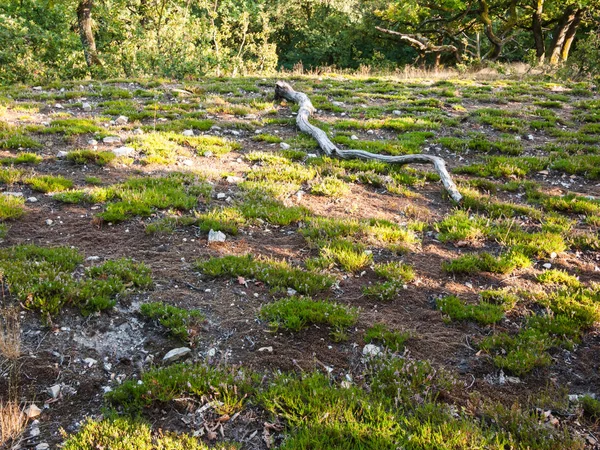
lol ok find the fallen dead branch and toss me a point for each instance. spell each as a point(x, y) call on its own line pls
point(285, 91)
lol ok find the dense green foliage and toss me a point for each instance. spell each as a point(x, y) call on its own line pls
point(42, 40)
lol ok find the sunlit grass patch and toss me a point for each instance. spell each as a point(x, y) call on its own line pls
point(179, 125)
point(505, 167)
point(350, 256)
point(181, 323)
point(297, 313)
point(158, 148)
point(262, 204)
point(485, 262)
point(100, 158)
point(21, 158)
point(10, 175)
point(140, 196)
point(49, 183)
point(396, 274)
point(19, 140)
point(556, 276)
point(42, 279)
point(277, 274)
point(207, 145)
point(227, 388)
point(330, 187)
point(124, 432)
point(380, 334)
point(483, 312)
point(11, 207)
point(70, 127)
point(459, 226)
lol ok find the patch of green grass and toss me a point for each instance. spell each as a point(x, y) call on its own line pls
point(94, 181)
point(459, 226)
point(49, 183)
point(101, 158)
point(556, 276)
point(380, 334)
point(330, 187)
point(205, 145)
point(350, 256)
point(11, 207)
point(126, 433)
point(181, 323)
point(506, 167)
point(591, 406)
point(483, 313)
point(485, 262)
point(289, 173)
point(140, 196)
point(481, 144)
point(21, 158)
point(158, 148)
point(395, 271)
point(277, 274)
point(71, 127)
point(179, 125)
point(18, 140)
point(259, 204)
point(227, 388)
point(42, 279)
point(297, 313)
point(10, 175)
point(74, 197)
point(269, 138)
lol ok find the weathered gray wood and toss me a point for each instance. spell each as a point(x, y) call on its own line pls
point(285, 91)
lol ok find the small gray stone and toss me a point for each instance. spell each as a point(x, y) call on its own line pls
point(12, 194)
point(49, 222)
point(188, 162)
point(138, 131)
point(216, 236)
point(207, 154)
point(54, 391)
point(121, 120)
point(188, 132)
point(62, 154)
point(284, 146)
point(234, 180)
point(547, 265)
point(123, 151)
point(215, 128)
point(111, 139)
point(371, 350)
point(93, 142)
point(32, 199)
point(396, 112)
point(90, 362)
point(59, 106)
point(42, 446)
point(235, 132)
point(86, 107)
point(176, 354)
point(221, 195)
point(354, 137)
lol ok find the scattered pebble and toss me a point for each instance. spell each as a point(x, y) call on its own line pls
point(121, 120)
point(90, 362)
point(86, 107)
point(266, 349)
point(32, 411)
point(371, 350)
point(216, 236)
point(176, 354)
point(111, 139)
point(284, 146)
point(188, 132)
point(49, 222)
point(547, 265)
point(123, 151)
point(54, 391)
point(62, 154)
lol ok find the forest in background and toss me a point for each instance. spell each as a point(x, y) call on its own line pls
point(58, 39)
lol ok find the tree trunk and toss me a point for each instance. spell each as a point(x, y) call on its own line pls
point(538, 33)
point(560, 34)
point(84, 19)
point(495, 41)
point(285, 91)
point(564, 54)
